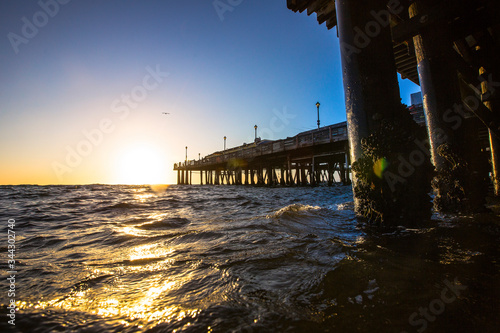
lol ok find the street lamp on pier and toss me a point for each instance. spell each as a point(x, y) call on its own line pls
point(186, 153)
point(224, 142)
point(255, 127)
point(317, 105)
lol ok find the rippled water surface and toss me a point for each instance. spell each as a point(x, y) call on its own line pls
point(240, 259)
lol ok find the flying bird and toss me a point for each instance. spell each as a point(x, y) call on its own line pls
point(165, 113)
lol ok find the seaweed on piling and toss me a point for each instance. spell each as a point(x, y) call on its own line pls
point(389, 189)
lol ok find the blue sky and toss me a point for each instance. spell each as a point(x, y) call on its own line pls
point(262, 64)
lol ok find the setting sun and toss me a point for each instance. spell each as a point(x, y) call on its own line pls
point(140, 164)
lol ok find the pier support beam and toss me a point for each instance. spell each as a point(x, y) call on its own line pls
point(330, 173)
point(494, 106)
point(303, 177)
point(296, 175)
point(289, 178)
point(313, 174)
point(270, 176)
point(342, 173)
point(438, 84)
point(370, 83)
point(451, 153)
point(495, 163)
point(319, 174)
point(347, 164)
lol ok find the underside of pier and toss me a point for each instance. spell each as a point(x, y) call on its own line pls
point(449, 48)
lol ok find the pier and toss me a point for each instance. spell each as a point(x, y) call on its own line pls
point(449, 48)
point(319, 156)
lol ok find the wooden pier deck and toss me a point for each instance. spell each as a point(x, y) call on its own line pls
point(309, 158)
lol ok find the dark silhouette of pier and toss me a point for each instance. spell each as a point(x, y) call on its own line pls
point(309, 158)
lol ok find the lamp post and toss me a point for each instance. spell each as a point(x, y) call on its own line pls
point(199, 156)
point(317, 105)
point(255, 127)
point(186, 153)
point(224, 142)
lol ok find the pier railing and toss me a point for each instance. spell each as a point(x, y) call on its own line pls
point(328, 134)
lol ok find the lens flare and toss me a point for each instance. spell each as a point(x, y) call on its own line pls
point(380, 166)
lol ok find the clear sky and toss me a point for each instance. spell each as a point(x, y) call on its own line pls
point(84, 84)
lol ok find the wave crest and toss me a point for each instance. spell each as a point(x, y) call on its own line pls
point(293, 210)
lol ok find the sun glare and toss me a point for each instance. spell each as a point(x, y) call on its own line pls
point(140, 164)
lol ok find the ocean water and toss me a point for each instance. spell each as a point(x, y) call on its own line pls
point(102, 258)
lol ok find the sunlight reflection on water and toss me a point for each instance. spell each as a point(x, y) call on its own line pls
point(232, 259)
